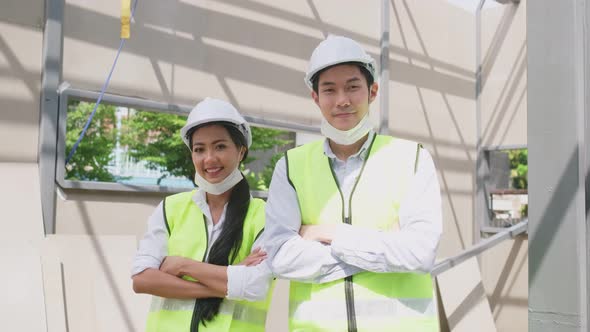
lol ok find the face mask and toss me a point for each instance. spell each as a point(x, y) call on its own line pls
point(219, 188)
point(347, 137)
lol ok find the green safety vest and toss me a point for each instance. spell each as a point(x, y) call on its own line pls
point(188, 237)
point(366, 301)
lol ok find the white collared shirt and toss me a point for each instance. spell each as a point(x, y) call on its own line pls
point(354, 249)
point(248, 283)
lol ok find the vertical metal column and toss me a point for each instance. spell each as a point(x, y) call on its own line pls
point(51, 77)
point(482, 214)
point(384, 75)
point(558, 81)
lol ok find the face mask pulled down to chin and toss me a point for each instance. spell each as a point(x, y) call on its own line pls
point(219, 188)
point(347, 137)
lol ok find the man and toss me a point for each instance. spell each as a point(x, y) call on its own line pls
point(354, 220)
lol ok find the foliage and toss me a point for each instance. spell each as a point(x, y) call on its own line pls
point(153, 138)
point(524, 210)
point(261, 180)
point(519, 168)
point(94, 152)
point(264, 139)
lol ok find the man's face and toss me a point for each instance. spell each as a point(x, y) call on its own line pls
point(343, 95)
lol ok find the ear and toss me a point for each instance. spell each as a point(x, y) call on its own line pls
point(242, 153)
point(373, 92)
point(315, 97)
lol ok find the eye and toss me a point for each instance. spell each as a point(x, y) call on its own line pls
point(197, 149)
point(354, 87)
point(220, 147)
point(327, 91)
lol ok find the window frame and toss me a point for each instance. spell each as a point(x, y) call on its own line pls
point(485, 227)
point(66, 93)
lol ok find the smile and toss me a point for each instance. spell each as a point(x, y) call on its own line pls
point(213, 171)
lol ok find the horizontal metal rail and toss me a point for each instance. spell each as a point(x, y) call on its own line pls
point(504, 147)
point(122, 187)
point(480, 247)
point(152, 105)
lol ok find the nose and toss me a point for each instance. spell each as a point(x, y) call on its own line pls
point(343, 99)
point(209, 156)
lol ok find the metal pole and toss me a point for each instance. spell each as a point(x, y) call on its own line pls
point(558, 42)
point(480, 247)
point(384, 75)
point(50, 79)
point(581, 54)
point(148, 104)
point(481, 170)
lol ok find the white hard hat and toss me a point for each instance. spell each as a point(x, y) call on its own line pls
point(213, 110)
point(334, 50)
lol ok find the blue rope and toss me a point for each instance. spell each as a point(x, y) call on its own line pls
point(102, 91)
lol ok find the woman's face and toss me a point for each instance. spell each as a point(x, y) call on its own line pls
point(214, 153)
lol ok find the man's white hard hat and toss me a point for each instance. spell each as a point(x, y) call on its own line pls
point(334, 50)
point(214, 110)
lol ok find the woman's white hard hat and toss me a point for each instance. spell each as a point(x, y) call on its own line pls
point(334, 50)
point(214, 110)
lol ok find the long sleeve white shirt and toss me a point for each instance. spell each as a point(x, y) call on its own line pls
point(243, 283)
point(412, 248)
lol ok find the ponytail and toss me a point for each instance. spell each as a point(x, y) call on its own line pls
point(225, 249)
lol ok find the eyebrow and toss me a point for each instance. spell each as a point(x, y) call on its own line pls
point(354, 79)
point(214, 142)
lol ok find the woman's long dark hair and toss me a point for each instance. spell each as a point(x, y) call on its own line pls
point(227, 245)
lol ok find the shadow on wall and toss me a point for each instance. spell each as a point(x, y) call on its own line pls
point(467, 87)
point(15, 69)
point(550, 220)
point(19, 97)
point(197, 26)
point(121, 305)
point(182, 35)
point(509, 90)
point(497, 301)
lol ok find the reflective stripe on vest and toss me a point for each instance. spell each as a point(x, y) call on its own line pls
point(188, 237)
point(235, 309)
point(374, 203)
point(369, 309)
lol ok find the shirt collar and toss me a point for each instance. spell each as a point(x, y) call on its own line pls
point(362, 152)
point(200, 199)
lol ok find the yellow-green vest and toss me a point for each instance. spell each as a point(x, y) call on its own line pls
point(366, 301)
point(188, 237)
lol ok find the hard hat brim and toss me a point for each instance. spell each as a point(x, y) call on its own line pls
point(187, 128)
point(370, 65)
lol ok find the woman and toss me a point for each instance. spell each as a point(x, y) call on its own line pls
point(185, 258)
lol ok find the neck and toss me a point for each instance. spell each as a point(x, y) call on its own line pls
point(342, 152)
point(218, 201)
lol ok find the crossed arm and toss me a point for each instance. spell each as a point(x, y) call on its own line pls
point(159, 283)
point(167, 280)
point(292, 255)
point(157, 274)
point(323, 253)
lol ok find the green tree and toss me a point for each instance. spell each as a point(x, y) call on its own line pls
point(265, 139)
point(94, 152)
point(154, 138)
point(519, 168)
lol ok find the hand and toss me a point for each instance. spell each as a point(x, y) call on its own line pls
point(256, 257)
point(320, 233)
point(173, 265)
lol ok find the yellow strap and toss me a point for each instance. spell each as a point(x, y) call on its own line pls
point(125, 18)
